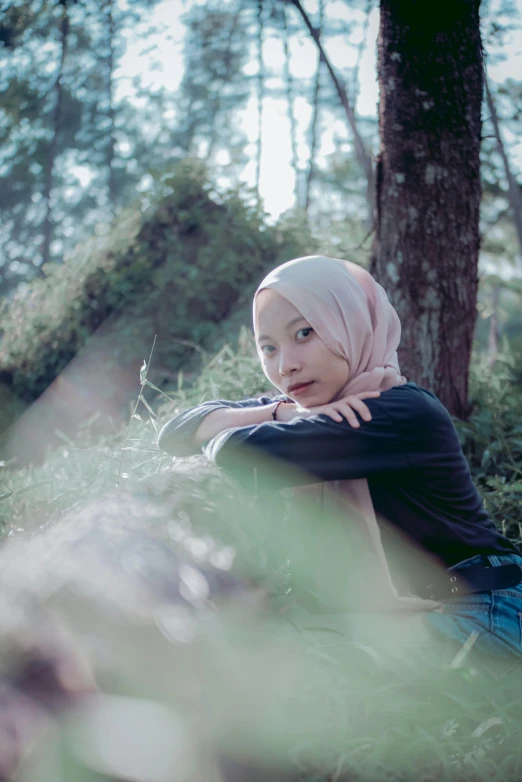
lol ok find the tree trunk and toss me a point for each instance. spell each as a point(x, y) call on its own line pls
point(428, 191)
point(360, 52)
point(514, 194)
point(111, 142)
point(315, 114)
point(361, 153)
point(228, 77)
point(290, 104)
point(47, 227)
point(494, 328)
point(260, 93)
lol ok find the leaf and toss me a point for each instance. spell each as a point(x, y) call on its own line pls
point(464, 651)
point(486, 725)
point(149, 408)
point(151, 385)
point(143, 373)
point(5, 495)
point(67, 440)
point(137, 416)
point(32, 486)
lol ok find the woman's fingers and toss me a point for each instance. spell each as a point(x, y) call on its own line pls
point(348, 413)
point(347, 409)
point(330, 410)
point(361, 408)
point(348, 405)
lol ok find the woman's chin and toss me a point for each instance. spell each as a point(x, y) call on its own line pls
point(309, 400)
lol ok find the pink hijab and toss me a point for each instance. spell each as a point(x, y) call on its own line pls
point(352, 315)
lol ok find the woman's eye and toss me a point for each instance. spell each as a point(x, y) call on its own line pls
point(267, 350)
point(303, 333)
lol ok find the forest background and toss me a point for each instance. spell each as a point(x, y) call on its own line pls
point(157, 158)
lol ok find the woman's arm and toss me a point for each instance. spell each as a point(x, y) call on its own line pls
point(177, 435)
point(319, 447)
point(185, 434)
point(229, 418)
point(284, 410)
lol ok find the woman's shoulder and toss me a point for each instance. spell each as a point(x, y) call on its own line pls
point(413, 402)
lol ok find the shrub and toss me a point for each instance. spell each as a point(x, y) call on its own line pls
point(174, 267)
point(492, 441)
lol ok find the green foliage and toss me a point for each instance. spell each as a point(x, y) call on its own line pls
point(492, 441)
point(89, 132)
point(230, 374)
point(174, 268)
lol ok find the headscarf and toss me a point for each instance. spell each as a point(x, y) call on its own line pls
point(351, 314)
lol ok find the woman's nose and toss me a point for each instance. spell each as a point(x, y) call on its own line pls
point(288, 363)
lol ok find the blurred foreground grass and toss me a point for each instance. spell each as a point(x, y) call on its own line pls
point(278, 690)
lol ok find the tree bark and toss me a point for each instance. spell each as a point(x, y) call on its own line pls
point(47, 227)
point(426, 246)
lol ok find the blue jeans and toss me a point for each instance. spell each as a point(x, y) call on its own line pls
point(495, 615)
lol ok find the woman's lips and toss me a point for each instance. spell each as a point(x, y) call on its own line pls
point(297, 390)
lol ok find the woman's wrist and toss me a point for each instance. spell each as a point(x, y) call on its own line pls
point(284, 411)
point(276, 408)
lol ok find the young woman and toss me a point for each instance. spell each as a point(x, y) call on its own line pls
point(327, 338)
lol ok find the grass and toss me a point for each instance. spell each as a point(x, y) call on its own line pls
point(37, 495)
point(338, 709)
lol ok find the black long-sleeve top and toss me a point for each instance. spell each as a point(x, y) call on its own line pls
point(410, 454)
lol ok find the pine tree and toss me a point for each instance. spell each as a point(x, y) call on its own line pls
point(428, 191)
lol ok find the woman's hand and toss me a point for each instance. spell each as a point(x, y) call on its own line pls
point(342, 408)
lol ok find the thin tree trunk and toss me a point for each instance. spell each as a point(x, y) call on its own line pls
point(360, 50)
point(111, 142)
point(361, 153)
point(217, 103)
point(290, 104)
point(315, 114)
point(494, 328)
point(260, 92)
point(426, 246)
point(47, 227)
point(514, 194)
point(213, 130)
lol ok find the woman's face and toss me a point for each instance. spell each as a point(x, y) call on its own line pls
point(294, 358)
